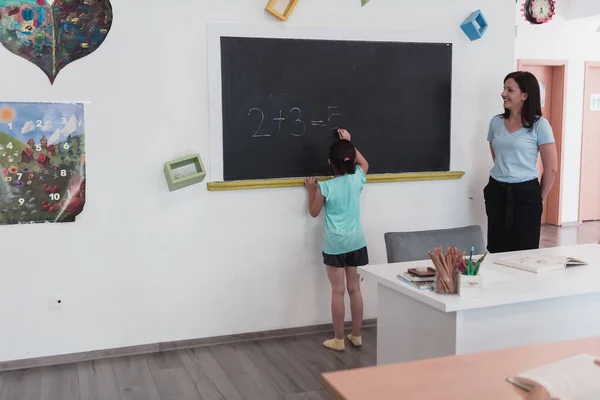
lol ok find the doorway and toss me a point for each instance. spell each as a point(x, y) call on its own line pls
point(551, 75)
point(589, 181)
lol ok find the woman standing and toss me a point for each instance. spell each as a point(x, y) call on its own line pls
point(514, 195)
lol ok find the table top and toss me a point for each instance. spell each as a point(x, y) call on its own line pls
point(472, 376)
point(502, 285)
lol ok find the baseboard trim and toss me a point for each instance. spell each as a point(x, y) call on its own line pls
point(168, 346)
point(570, 223)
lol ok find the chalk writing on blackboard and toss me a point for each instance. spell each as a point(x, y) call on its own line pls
point(298, 125)
point(279, 120)
point(262, 119)
point(333, 113)
point(299, 121)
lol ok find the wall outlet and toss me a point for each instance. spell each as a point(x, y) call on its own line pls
point(56, 302)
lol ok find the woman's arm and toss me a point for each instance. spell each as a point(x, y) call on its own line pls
point(550, 163)
point(492, 151)
point(315, 198)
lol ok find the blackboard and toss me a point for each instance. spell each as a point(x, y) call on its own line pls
point(283, 98)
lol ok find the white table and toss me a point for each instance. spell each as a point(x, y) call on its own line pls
point(517, 308)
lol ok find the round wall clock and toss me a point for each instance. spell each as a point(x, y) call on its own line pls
point(538, 11)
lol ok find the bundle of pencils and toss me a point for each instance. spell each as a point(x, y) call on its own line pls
point(446, 267)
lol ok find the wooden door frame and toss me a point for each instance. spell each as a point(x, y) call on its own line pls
point(565, 65)
point(587, 67)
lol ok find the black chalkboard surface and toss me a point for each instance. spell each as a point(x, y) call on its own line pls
point(283, 99)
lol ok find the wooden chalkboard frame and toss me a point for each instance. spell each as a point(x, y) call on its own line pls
point(298, 182)
point(217, 30)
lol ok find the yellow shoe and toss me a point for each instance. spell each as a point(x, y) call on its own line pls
point(335, 344)
point(355, 340)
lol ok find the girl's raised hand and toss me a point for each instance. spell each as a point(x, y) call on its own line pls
point(311, 183)
point(344, 134)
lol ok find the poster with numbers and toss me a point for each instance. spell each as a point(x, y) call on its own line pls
point(42, 158)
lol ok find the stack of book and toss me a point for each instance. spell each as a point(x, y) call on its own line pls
point(419, 278)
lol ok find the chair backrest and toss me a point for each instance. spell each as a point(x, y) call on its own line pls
point(413, 246)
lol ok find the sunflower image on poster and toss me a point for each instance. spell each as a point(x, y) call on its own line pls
point(42, 159)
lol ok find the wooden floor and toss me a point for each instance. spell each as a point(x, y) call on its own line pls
point(552, 236)
point(286, 368)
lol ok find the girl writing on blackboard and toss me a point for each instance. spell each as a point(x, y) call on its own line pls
point(345, 247)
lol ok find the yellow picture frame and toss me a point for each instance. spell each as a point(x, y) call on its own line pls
point(288, 10)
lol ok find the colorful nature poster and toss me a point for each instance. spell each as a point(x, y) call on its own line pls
point(42, 159)
point(54, 33)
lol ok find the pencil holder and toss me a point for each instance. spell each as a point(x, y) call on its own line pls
point(470, 285)
point(445, 285)
point(446, 267)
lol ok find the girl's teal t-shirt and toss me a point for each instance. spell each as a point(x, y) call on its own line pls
point(343, 229)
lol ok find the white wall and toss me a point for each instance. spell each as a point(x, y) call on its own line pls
point(577, 42)
point(581, 9)
point(143, 265)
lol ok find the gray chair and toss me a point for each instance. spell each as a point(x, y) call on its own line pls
point(413, 246)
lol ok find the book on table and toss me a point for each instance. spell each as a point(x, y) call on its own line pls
point(538, 262)
point(418, 282)
point(574, 378)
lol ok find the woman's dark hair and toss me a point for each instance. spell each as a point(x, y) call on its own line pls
point(532, 106)
point(342, 156)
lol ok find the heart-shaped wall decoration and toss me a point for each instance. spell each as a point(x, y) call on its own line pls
point(54, 33)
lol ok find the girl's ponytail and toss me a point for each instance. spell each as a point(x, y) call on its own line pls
point(348, 166)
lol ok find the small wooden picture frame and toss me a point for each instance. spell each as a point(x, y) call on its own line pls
point(288, 10)
point(184, 172)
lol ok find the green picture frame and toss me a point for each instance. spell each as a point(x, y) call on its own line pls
point(184, 171)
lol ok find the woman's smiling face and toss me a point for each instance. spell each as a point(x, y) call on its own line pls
point(512, 95)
